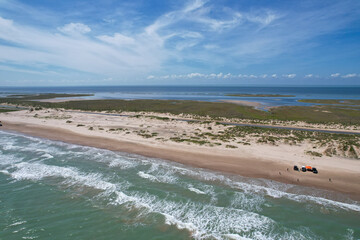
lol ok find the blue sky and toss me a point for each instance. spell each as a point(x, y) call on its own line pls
point(171, 42)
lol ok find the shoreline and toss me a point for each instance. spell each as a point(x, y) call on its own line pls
point(343, 180)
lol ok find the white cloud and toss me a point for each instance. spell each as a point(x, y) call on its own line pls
point(292, 75)
point(263, 19)
point(252, 76)
point(227, 76)
point(309, 75)
point(43, 48)
point(118, 39)
point(191, 75)
point(350, 75)
point(75, 28)
point(335, 75)
point(213, 76)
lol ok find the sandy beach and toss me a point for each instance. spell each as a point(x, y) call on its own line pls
point(149, 136)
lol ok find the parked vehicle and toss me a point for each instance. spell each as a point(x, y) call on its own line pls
point(308, 168)
point(314, 170)
point(303, 168)
point(296, 168)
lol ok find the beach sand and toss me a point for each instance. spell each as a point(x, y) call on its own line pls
point(256, 160)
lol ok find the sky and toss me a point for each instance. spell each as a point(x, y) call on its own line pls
point(172, 42)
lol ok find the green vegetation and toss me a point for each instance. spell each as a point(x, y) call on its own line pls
point(44, 96)
point(146, 134)
point(54, 117)
point(317, 114)
point(7, 110)
point(216, 110)
point(231, 146)
point(315, 154)
point(195, 141)
point(116, 129)
point(159, 118)
point(259, 95)
point(332, 101)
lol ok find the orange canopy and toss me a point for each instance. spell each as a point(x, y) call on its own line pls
point(308, 167)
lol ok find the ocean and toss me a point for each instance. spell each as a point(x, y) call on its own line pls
point(200, 93)
point(55, 190)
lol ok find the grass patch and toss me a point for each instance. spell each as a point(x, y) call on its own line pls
point(315, 154)
point(231, 146)
point(199, 142)
point(332, 101)
point(7, 110)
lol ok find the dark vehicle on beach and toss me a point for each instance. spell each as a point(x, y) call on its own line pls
point(308, 168)
point(0, 124)
point(296, 168)
point(303, 168)
point(314, 170)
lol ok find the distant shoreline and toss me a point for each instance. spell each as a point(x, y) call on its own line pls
point(259, 95)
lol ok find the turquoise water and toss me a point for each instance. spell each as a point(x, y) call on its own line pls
point(54, 190)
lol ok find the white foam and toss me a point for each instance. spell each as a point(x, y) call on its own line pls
point(29, 237)
point(122, 163)
point(148, 176)
point(250, 202)
point(251, 188)
point(38, 171)
point(203, 221)
point(47, 155)
point(195, 190)
point(8, 160)
point(17, 223)
point(170, 220)
point(235, 237)
point(6, 172)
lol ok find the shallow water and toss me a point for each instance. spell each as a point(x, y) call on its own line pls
point(200, 93)
point(54, 190)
